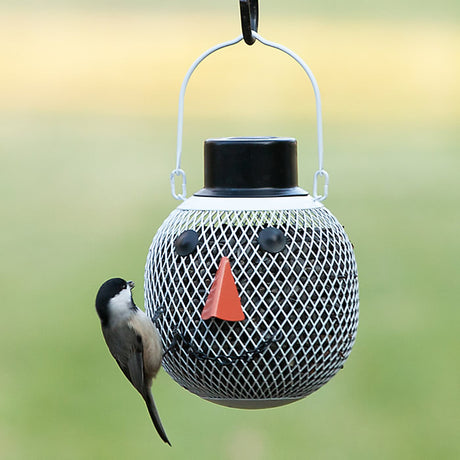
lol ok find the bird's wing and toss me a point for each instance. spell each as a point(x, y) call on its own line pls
point(136, 367)
point(127, 349)
point(130, 358)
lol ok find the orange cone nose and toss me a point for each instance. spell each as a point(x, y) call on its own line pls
point(223, 301)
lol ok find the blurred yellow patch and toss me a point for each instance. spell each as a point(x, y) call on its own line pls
point(134, 63)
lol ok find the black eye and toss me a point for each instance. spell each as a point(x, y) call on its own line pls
point(272, 240)
point(186, 243)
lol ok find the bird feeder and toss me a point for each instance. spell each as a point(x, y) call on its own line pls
point(252, 282)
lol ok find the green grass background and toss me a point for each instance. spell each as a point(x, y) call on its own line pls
point(84, 186)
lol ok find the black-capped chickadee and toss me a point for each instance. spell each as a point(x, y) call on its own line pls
point(132, 339)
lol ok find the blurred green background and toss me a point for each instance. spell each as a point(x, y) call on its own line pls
point(88, 97)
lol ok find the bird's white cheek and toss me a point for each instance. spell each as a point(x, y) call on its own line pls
point(120, 305)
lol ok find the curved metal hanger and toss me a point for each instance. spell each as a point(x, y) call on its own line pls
point(249, 10)
point(249, 22)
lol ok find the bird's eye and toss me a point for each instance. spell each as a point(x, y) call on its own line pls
point(186, 243)
point(272, 240)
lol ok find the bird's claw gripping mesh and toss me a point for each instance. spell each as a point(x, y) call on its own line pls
point(300, 304)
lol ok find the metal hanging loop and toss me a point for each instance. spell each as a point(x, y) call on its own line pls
point(249, 10)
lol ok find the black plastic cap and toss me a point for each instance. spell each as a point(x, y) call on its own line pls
point(250, 167)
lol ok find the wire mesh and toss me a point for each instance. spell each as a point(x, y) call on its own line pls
point(300, 304)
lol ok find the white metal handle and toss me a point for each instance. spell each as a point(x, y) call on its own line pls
point(319, 119)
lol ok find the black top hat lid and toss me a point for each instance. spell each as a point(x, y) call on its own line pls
point(250, 167)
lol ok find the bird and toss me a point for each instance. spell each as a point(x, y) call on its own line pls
point(132, 339)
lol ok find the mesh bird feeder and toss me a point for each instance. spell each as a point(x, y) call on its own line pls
point(252, 282)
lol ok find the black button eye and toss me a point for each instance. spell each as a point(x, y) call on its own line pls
point(186, 243)
point(272, 240)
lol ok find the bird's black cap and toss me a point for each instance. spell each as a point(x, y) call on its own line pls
point(106, 292)
point(250, 167)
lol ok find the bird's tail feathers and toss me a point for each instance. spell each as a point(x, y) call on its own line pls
point(152, 408)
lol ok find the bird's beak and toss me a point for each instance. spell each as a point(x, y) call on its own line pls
point(130, 284)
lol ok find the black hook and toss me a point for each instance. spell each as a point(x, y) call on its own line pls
point(249, 10)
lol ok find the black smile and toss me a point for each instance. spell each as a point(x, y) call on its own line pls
point(179, 340)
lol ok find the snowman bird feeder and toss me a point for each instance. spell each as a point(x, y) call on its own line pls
point(252, 282)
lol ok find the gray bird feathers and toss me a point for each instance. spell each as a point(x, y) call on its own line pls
point(132, 340)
